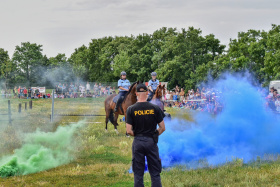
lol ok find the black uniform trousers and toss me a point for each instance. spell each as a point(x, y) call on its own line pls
point(145, 146)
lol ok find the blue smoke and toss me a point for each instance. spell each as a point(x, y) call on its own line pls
point(245, 129)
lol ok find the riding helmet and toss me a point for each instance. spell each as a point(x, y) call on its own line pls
point(154, 74)
point(123, 73)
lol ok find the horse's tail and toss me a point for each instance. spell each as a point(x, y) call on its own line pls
point(111, 116)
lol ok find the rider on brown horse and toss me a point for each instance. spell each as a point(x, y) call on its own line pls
point(152, 85)
point(123, 85)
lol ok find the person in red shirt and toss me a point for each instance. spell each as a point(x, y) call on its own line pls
point(25, 92)
point(19, 92)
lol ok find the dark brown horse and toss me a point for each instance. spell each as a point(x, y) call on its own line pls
point(157, 98)
point(130, 99)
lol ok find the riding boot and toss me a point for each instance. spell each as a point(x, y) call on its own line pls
point(118, 104)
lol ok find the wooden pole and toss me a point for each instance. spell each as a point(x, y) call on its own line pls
point(52, 105)
point(9, 112)
point(30, 104)
point(19, 108)
point(25, 105)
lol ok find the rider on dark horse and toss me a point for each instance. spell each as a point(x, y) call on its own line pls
point(123, 85)
point(152, 85)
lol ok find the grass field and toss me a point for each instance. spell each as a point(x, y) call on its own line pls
point(103, 159)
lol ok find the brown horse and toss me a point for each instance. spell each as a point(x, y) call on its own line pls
point(157, 98)
point(129, 99)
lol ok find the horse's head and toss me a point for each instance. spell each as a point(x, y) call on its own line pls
point(160, 91)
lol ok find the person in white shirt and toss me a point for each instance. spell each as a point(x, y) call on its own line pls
point(168, 95)
point(80, 88)
point(88, 87)
point(191, 96)
point(83, 90)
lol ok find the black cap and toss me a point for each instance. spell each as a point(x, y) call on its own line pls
point(141, 88)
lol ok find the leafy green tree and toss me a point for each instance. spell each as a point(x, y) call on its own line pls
point(78, 60)
point(4, 57)
point(59, 60)
point(271, 67)
point(27, 57)
point(7, 68)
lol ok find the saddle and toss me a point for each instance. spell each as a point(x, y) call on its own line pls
point(115, 100)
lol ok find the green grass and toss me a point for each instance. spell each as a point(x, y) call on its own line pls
point(103, 159)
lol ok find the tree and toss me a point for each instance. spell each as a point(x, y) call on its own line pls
point(4, 57)
point(6, 67)
point(78, 60)
point(271, 67)
point(27, 56)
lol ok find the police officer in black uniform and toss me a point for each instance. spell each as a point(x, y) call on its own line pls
point(142, 120)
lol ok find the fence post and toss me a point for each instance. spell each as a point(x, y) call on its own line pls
point(9, 112)
point(19, 108)
point(52, 105)
point(25, 105)
point(30, 104)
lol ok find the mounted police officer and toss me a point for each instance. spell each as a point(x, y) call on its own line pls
point(142, 120)
point(152, 85)
point(123, 85)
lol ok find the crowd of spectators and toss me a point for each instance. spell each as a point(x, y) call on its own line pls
point(60, 91)
point(20, 92)
point(204, 99)
point(211, 100)
point(82, 90)
point(273, 100)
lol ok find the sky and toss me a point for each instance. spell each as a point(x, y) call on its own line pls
point(63, 25)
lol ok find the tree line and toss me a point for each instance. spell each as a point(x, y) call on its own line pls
point(180, 57)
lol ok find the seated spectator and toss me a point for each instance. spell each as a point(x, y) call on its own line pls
point(67, 95)
point(191, 96)
point(37, 92)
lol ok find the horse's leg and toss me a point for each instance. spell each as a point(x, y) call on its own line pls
point(116, 122)
point(107, 110)
point(106, 120)
point(127, 135)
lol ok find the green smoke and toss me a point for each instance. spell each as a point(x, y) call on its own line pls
point(41, 151)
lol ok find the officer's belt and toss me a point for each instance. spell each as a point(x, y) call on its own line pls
point(144, 135)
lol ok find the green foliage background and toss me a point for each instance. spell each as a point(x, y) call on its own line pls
point(180, 57)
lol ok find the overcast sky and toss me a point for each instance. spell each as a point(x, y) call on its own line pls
point(63, 25)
